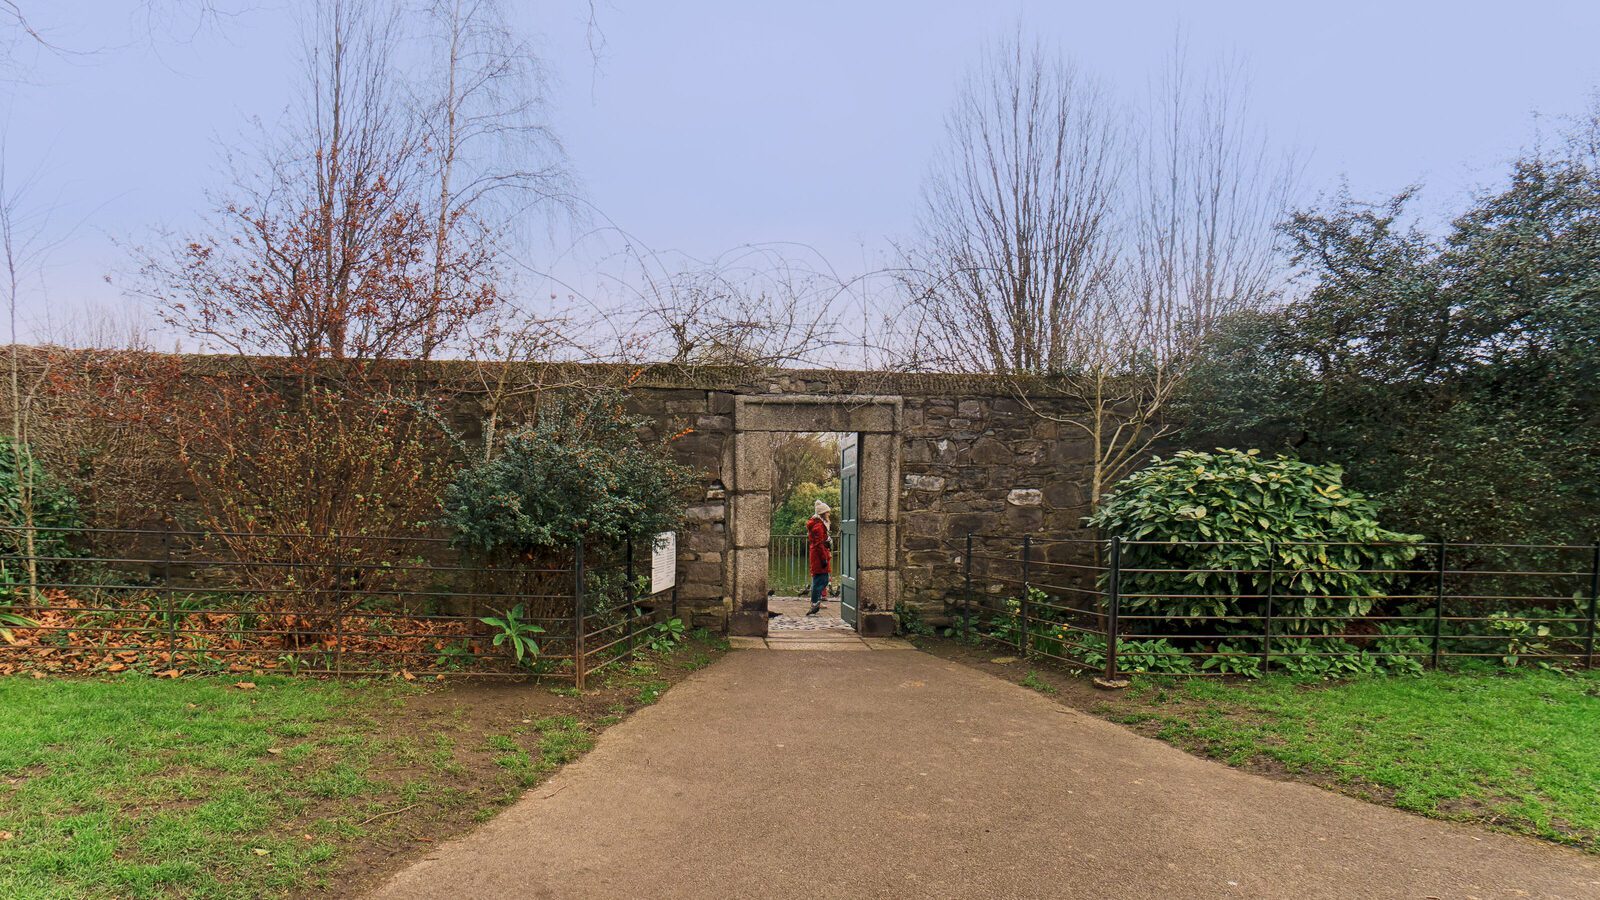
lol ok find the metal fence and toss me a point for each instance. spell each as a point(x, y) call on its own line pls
point(1243, 608)
point(203, 601)
point(788, 564)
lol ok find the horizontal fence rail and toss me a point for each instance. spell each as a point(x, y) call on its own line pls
point(788, 564)
point(1120, 607)
point(186, 601)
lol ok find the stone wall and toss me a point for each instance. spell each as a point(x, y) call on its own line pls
point(942, 456)
point(966, 457)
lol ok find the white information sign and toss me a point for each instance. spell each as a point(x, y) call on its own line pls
point(664, 562)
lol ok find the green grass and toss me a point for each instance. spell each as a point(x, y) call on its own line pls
point(141, 787)
point(1519, 750)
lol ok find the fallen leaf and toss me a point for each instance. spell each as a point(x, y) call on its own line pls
point(38, 675)
point(1003, 660)
point(274, 751)
point(170, 673)
point(115, 667)
point(245, 685)
point(259, 851)
point(407, 675)
point(6, 835)
point(307, 837)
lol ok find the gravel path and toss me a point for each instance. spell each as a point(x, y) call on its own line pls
point(814, 774)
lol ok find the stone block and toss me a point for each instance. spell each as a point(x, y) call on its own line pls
point(748, 623)
point(706, 512)
point(750, 576)
point(843, 413)
point(713, 424)
point(1025, 497)
point(991, 452)
point(720, 402)
point(875, 546)
point(880, 477)
point(877, 588)
point(752, 520)
point(924, 483)
point(970, 409)
point(752, 473)
point(1024, 518)
point(876, 624)
point(703, 539)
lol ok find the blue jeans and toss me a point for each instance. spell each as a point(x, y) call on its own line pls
point(819, 588)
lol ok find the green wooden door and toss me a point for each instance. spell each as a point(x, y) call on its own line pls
point(845, 560)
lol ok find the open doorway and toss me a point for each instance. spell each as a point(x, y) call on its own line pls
point(814, 478)
point(866, 548)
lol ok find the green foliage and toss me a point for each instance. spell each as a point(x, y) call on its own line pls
point(579, 473)
point(1518, 637)
point(1453, 374)
point(1231, 515)
point(23, 482)
point(1402, 649)
point(1311, 659)
point(1032, 681)
point(515, 634)
point(664, 636)
point(1155, 657)
point(791, 514)
point(910, 620)
point(1233, 659)
point(10, 620)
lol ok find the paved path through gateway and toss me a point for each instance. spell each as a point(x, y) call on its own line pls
point(897, 774)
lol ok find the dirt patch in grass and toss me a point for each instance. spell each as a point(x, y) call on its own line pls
point(482, 744)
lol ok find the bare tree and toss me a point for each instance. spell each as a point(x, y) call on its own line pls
point(492, 156)
point(1208, 195)
point(756, 307)
point(1066, 251)
point(22, 247)
point(509, 356)
point(1018, 231)
point(327, 248)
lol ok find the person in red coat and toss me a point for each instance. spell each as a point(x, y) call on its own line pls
point(821, 553)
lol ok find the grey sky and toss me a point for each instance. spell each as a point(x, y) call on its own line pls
point(707, 125)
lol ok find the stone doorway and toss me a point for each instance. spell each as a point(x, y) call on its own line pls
point(759, 422)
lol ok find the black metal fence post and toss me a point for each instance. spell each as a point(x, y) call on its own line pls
point(1438, 607)
point(1113, 607)
point(966, 601)
point(1027, 589)
point(1594, 601)
point(1266, 621)
point(577, 615)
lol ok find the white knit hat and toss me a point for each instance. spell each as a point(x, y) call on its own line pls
point(821, 508)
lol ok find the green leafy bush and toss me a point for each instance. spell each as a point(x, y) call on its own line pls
point(790, 516)
point(580, 472)
point(1205, 527)
point(23, 482)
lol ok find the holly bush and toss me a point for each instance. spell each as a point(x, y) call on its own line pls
point(580, 472)
point(1208, 527)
